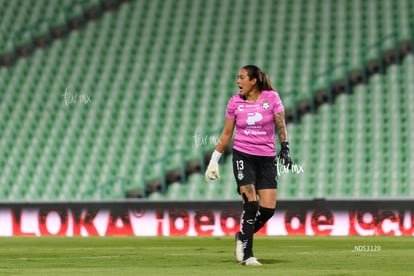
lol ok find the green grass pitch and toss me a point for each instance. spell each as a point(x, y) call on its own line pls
point(205, 256)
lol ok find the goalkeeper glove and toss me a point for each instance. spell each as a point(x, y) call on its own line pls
point(284, 154)
point(212, 172)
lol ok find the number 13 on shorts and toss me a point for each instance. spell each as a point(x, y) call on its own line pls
point(239, 165)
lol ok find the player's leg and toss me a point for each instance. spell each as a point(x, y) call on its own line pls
point(267, 207)
point(267, 191)
point(250, 206)
point(244, 169)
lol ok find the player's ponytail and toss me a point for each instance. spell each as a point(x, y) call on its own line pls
point(263, 80)
point(266, 84)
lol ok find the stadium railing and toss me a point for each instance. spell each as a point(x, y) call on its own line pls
point(162, 162)
point(292, 95)
point(329, 78)
point(377, 64)
point(114, 188)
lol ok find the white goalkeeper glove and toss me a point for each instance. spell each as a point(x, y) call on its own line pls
point(212, 172)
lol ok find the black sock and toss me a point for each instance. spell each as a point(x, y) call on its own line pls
point(263, 215)
point(247, 227)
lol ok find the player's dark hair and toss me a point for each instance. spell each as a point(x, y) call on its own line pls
point(263, 80)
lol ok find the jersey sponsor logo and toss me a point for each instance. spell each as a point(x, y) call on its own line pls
point(254, 132)
point(253, 118)
point(242, 107)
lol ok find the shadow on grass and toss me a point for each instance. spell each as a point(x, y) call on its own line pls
point(272, 261)
point(263, 261)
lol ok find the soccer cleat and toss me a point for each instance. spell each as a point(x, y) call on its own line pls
point(252, 261)
point(239, 252)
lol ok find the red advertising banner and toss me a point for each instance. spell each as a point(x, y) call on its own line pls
point(66, 221)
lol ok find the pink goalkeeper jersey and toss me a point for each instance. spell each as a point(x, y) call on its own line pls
point(255, 124)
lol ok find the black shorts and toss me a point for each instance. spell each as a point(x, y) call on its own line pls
point(252, 169)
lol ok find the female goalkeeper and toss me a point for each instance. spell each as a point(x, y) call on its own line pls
point(254, 112)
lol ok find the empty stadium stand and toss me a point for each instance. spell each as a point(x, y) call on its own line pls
point(359, 147)
point(90, 115)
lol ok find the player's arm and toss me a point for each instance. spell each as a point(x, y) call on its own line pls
point(281, 127)
point(284, 153)
point(212, 172)
point(226, 135)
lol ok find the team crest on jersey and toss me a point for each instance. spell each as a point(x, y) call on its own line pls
point(240, 175)
point(265, 104)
